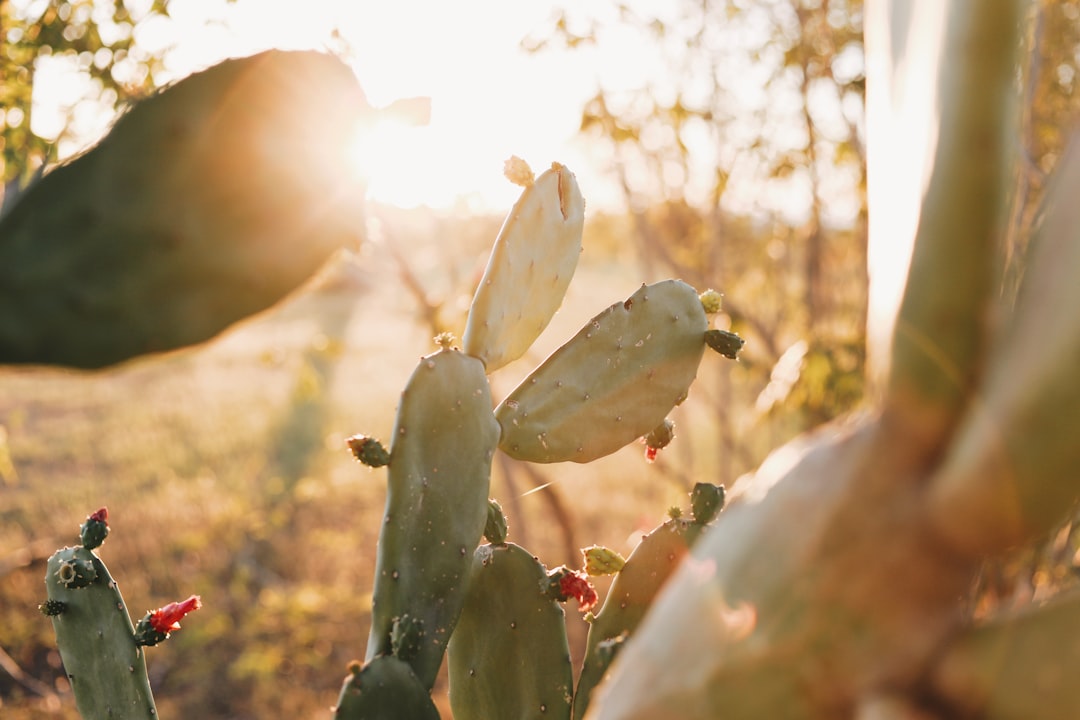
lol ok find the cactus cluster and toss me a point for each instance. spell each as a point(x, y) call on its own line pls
point(494, 607)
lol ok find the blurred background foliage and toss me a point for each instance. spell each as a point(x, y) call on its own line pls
point(745, 171)
point(99, 39)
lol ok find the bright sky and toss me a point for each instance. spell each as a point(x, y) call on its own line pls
point(490, 99)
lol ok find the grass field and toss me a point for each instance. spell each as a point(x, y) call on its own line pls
point(225, 474)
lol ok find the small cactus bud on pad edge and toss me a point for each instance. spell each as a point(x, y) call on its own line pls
point(368, 450)
point(602, 561)
point(534, 258)
point(96, 528)
point(726, 343)
point(613, 382)
point(496, 527)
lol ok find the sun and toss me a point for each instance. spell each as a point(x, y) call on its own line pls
point(386, 156)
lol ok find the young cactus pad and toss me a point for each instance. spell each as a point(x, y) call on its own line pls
point(613, 382)
point(104, 664)
point(384, 689)
point(531, 265)
point(509, 657)
point(436, 506)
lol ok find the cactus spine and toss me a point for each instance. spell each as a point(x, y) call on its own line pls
point(436, 507)
point(613, 382)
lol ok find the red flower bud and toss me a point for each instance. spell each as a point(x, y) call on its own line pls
point(167, 619)
point(102, 515)
point(574, 584)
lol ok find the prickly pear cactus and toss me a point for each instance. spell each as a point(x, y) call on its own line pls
point(436, 507)
point(101, 650)
point(531, 265)
point(613, 382)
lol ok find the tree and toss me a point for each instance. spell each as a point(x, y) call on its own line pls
point(743, 167)
point(95, 38)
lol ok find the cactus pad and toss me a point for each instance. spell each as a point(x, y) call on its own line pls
point(531, 265)
point(509, 656)
point(436, 506)
point(105, 666)
point(613, 382)
point(384, 689)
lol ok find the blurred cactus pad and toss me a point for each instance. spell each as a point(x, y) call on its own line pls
point(207, 202)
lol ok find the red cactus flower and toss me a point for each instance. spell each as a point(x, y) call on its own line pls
point(166, 619)
point(102, 515)
point(650, 453)
point(574, 584)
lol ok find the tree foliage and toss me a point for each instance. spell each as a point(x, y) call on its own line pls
point(95, 38)
point(742, 164)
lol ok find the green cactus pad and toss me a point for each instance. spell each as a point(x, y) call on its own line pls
point(613, 382)
point(631, 594)
point(106, 668)
point(531, 265)
point(207, 202)
point(436, 506)
point(384, 689)
point(509, 658)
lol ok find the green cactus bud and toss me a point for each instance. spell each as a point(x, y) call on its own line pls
point(711, 301)
point(659, 438)
point(105, 666)
point(602, 561)
point(405, 637)
point(496, 527)
point(706, 501)
point(509, 656)
point(96, 528)
point(530, 268)
point(52, 608)
point(436, 505)
point(383, 689)
point(614, 381)
point(726, 343)
point(368, 450)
